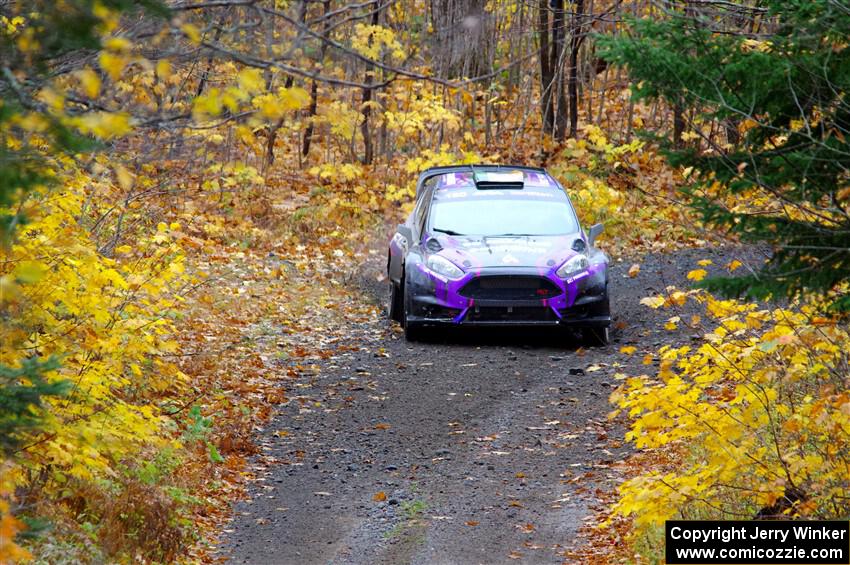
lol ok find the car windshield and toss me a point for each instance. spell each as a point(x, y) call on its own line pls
point(503, 215)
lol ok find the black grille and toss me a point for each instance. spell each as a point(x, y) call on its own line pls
point(511, 314)
point(510, 287)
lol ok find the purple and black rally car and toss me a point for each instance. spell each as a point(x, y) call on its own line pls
point(496, 245)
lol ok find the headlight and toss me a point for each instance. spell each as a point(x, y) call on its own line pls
point(573, 266)
point(443, 266)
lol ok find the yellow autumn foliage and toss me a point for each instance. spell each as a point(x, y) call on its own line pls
point(758, 412)
point(344, 120)
point(109, 322)
point(594, 198)
point(371, 40)
point(10, 552)
point(411, 116)
point(443, 157)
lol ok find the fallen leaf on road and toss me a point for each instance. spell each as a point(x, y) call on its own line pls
point(380, 496)
point(697, 274)
point(634, 270)
point(472, 523)
point(653, 301)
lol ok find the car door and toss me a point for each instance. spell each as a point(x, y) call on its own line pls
point(409, 234)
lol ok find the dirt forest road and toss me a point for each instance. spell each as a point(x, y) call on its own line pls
point(473, 448)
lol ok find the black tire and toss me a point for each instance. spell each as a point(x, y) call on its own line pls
point(396, 309)
point(415, 332)
point(596, 337)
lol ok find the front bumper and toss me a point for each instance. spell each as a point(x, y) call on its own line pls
point(581, 301)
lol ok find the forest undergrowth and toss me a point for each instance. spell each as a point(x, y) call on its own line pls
point(187, 191)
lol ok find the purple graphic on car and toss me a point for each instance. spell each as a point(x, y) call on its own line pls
point(496, 245)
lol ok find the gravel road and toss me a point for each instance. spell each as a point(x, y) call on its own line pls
point(477, 447)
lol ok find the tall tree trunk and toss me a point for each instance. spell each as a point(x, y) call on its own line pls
point(557, 64)
point(314, 87)
point(273, 130)
point(733, 136)
point(311, 112)
point(205, 75)
point(368, 149)
point(269, 160)
point(678, 125)
point(546, 77)
point(576, 39)
point(488, 136)
point(463, 39)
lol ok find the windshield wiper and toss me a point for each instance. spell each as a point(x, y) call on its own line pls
point(514, 235)
point(447, 232)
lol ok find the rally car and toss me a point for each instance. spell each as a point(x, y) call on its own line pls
point(496, 245)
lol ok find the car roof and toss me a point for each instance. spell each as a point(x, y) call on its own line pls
point(473, 169)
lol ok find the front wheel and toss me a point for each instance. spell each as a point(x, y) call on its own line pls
point(396, 309)
point(596, 337)
point(415, 332)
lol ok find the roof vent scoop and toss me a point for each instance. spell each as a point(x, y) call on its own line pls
point(499, 180)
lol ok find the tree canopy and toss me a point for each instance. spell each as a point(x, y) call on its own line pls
point(783, 180)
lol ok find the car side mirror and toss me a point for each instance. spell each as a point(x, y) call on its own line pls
point(405, 231)
point(593, 232)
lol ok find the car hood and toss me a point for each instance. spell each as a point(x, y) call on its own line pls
point(481, 252)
